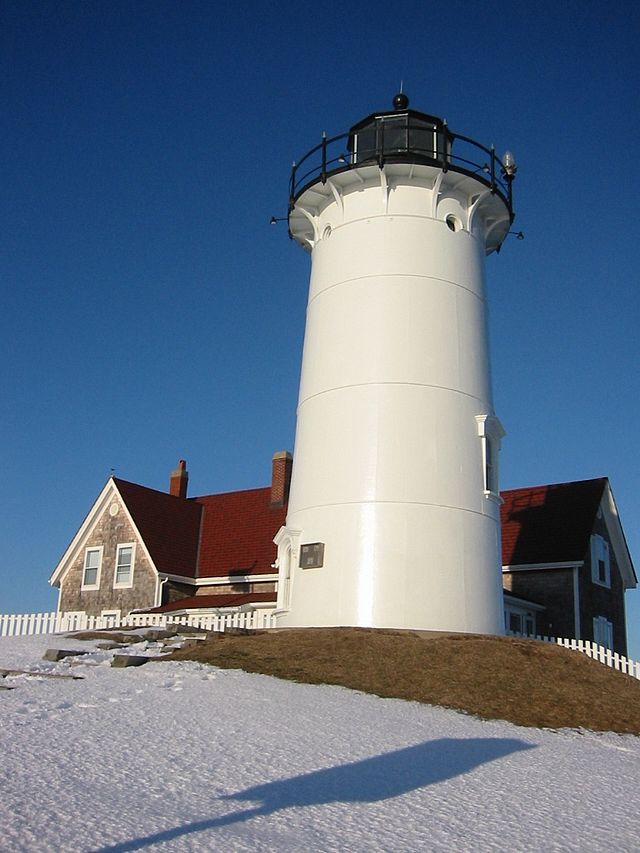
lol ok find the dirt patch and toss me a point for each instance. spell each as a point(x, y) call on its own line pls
point(524, 681)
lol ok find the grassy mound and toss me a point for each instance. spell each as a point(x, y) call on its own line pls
point(524, 681)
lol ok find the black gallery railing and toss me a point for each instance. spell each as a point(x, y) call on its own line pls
point(385, 142)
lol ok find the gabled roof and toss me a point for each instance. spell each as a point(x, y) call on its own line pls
point(553, 523)
point(219, 536)
point(206, 537)
point(169, 526)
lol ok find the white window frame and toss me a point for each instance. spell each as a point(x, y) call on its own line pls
point(100, 551)
point(600, 553)
point(525, 616)
point(491, 433)
point(603, 632)
point(129, 583)
point(111, 616)
point(71, 620)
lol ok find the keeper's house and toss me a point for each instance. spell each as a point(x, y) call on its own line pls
point(566, 564)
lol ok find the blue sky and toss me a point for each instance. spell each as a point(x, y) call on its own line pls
point(150, 312)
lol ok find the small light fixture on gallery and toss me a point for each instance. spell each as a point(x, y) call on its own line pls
point(509, 167)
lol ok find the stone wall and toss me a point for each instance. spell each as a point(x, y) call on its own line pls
point(112, 529)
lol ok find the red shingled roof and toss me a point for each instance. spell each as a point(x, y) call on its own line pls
point(169, 526)
point(544, 524)
point(230, 599)
point(232, 533)
point(237, 533)
point(209, 536)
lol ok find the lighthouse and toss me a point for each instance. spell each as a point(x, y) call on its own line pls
point(393, 517)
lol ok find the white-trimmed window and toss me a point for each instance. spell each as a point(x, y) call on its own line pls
point(602, 632)
point(600, 563)
point(491, 432)
point(125, 555)
point(519, 621)
point(91, 568)
point(110, 618)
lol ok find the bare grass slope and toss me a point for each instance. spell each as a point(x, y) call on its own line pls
point(524, 681)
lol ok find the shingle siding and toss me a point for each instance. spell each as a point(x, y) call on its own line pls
point(553, 588)
point(226, 588)
point(597, 600)
point(109, 532)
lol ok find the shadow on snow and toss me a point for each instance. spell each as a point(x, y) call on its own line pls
point(367, 781)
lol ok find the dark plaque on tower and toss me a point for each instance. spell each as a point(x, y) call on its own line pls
point(312, 555)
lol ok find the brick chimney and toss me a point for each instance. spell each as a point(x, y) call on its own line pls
point(179, 480)
point(280, 478)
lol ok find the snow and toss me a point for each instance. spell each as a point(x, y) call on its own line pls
point(183, 757)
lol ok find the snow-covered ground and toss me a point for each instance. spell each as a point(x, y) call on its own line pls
point(181, 756)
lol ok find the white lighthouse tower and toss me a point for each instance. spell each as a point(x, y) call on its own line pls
point(393, 516)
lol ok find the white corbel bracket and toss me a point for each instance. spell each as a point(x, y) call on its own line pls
point(314, 224)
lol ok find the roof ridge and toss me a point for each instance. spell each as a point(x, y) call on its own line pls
point(555, 485)
point(120, 481)
point(231, 492)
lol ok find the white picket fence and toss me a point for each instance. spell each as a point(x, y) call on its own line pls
point(594, 651)
point(29, 624)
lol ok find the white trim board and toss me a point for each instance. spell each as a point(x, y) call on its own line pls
point(523, 602)
point(106, 496)
point(541, 567)
point(219, 580)
point(618, 541)
point(231, 608)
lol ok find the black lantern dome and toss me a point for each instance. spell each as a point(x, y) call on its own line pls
point(403, 135)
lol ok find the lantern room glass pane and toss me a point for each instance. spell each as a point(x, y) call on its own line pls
point(423, 139)
point(398, 134)
point(366, 144)
point(394, 131)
